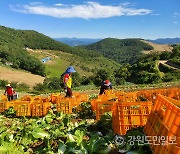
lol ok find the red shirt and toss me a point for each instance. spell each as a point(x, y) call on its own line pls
point(9, 91)
point(66, 77)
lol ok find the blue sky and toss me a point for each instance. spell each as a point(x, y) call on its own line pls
point(148, 19)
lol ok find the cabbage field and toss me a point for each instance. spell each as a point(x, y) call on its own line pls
point(60, 133)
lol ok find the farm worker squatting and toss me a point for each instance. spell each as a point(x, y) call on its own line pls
point(105, 85)
point(10, 92)
point(68, 81)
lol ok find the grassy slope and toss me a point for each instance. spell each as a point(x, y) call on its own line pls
point(61, 60)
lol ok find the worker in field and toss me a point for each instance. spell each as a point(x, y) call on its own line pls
point(10, 92)
point(68, 81)
point(105, 85)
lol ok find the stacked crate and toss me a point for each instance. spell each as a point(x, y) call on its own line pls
point(104, 103)
point(28, 106)
point(173, 92)
point(127, 115)
point(66, 104)
point(40, 108)
point(164, 123)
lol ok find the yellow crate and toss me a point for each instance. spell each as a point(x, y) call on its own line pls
point(3, 98)
point(2, 106)
point(129, 115)
point(23, 110)
point(40, 108)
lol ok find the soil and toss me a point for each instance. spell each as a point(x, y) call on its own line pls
point(158, 47)
point(13, 75)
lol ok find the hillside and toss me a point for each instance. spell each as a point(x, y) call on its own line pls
point(120, 50)
point(157, 47)
point(61, 60)
point(13, 75)
point(14, 42)
point(56, 66)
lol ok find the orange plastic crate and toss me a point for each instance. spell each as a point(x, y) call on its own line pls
point(128, 97)
point(55, 97)
point(84, 97)
point(93, 104)
point(173, 92)
point(64, 105)
point(3, 98)
point(104, 98)
point(102, 107)
point(174, 149)
point(158, 147)
point(2, 106)
point(168, 113)
point(175, 102)
point(9, 104)
point(164, 121)
point(129, 115)
point(23, 110)
point(148, 94)
point(40, 108)
point(27, 98)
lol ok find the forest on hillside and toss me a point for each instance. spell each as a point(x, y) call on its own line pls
point(14, 42)
point(120, 50)
point(134, 66)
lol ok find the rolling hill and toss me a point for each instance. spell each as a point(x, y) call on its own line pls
point(14, 42)
point(24, 49)
point(120, 50)
point(56, 66)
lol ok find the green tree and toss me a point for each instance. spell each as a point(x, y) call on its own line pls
point(121, 75)
point(101, 75)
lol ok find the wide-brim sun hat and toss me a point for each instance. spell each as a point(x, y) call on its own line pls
point(70, 69)
point(107, 83)
point(8, 85)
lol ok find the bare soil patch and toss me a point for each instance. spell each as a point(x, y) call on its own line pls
point(158, 47)
point(20, 76)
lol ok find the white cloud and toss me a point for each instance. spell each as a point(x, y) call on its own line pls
point(58, 4)
point(87, 10)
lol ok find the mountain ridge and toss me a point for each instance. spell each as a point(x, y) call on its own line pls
point(166, 40)
point(77, 41)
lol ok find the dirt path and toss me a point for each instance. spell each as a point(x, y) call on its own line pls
point(20, 76)
point(164, 62)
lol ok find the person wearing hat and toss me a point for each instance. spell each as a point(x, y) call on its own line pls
point(9, 91)
point(68, 81)
point(105, 85)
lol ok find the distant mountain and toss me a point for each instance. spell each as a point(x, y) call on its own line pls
point(166, 41)
point(77, 41)
point(120, 50)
